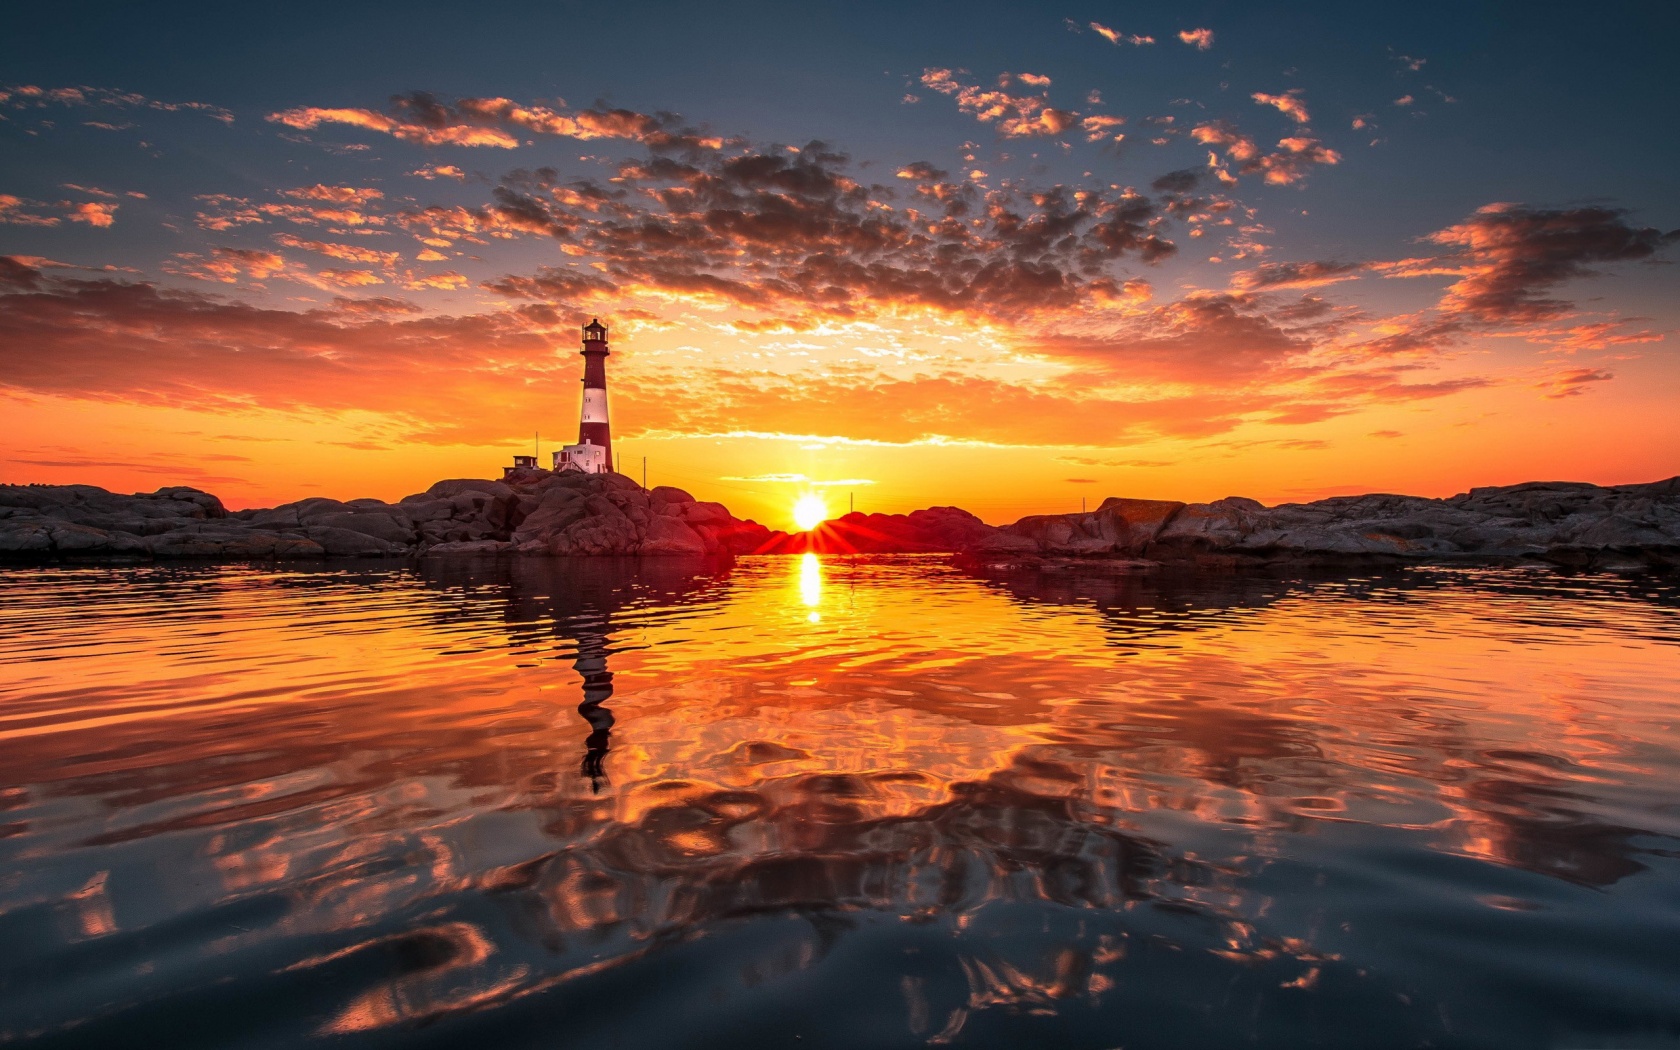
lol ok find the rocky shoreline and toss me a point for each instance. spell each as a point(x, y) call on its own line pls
point(538, 513)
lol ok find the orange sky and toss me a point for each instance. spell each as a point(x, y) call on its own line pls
point(1057, 288)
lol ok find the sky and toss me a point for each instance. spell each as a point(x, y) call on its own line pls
point(1010, 257)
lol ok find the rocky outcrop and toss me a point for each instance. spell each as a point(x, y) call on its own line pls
point(538, 513)
point(533, 513)
point(1567, 523)
point(1624, 526)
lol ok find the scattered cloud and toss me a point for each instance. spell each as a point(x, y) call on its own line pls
point(30, 96)
point(1572, 382)
point(797, 231)
point(1289, 103)
point(497, 123)
point(1200, 39)
point(1014, 116)
point(1287, 165)
point(1117, 38)
point(1512, 255)
point(1279, 275)
point(95, 213)
point(16, 211)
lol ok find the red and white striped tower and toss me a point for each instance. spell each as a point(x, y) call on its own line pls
point(594, 429)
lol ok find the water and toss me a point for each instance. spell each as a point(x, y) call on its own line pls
point(801, 803)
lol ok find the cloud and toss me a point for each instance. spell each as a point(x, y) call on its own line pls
point(346, 252)
point(1572, 382)
point(1200, 39)
point(1097, 126)
point(1312, 274)
point(1594, 335)
point(1219, 133)
point(439, 171)
point(922, 171)
point(497, 122)
point(797, 232)
point(1201, 366)
point(1015, 116)
point(1204, 339)
point(1511, 255)
point(446, 281)
point(1116, 37)
point(309, 117)
point(339, 278)
point(28, 96)
point(1292, 161)
point(95, 213)
point(1505, 259)
point(1285, 166)
point(335, 194)
point(131, 341)
point(341, 209)
point(16, 211)
point(1289, 104)
point(229, 265)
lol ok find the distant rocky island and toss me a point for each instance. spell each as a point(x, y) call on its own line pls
point(534, 512)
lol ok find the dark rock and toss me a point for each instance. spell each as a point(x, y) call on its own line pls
point(470, 547)
point(596, 534)
point(345, 543)
point(669, 494)
point(666, 535)
point(208, 506)
point(424, 508)
point(19, 536)
point(454, 487)
point(230, 543)
point(278, 518)
point(378, 524)
point(696, 513)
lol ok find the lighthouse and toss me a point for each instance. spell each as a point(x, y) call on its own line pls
point(593, 452)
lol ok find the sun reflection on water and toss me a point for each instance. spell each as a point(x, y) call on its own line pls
point(810, 585)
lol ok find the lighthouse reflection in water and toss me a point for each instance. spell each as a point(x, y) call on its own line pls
point(594, 646)
point(835, 802)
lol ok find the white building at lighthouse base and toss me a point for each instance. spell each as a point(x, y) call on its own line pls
point(587, 457)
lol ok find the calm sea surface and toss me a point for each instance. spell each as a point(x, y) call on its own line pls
point(803, 803)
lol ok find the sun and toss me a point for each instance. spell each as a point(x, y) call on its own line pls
point(809, 511)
